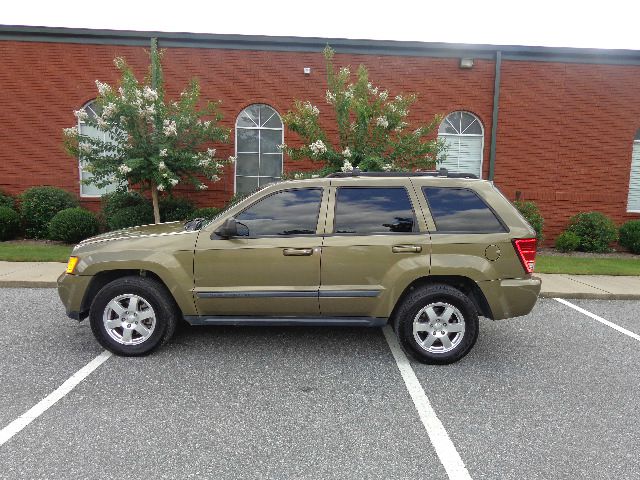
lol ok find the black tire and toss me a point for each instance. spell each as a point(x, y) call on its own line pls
point(148, 290)
point(439, 297)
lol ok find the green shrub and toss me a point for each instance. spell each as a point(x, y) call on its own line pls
point(595, 229)
point(7, 201)
point(115, 201)
point(567, 242)
point(9, 223)
point(73, 225)
point(174, 208)
point(207, 213)
point(38, 205)
point(131, 216)
point(630, 236)
point(530, 211)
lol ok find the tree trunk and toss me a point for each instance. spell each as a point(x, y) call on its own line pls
point(154, 200)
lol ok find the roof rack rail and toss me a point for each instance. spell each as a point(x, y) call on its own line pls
point(443, 172)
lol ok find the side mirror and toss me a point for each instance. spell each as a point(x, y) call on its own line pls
point(228, 229)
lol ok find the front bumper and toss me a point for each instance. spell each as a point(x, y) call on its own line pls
point(511, 297)
point(71, 289)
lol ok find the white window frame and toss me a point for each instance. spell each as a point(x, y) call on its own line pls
point(257, 127)
point(636, 145)
point(462, 134)
point(89, 107)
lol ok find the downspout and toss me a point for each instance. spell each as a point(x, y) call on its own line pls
point(494, 117)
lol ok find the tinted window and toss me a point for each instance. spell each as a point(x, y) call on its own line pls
point(373, 210)
point(460, 210)
point(290, 212)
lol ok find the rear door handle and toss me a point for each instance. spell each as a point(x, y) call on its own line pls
point(406, 249)
point(297, 252)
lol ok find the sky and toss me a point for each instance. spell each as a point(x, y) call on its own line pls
point(559, 23)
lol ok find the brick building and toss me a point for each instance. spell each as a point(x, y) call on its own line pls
point(554, 125)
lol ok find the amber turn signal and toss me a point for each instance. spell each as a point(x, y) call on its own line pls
point(71, 265)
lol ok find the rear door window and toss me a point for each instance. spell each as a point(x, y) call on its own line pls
point(460, 210)
point(370, 210)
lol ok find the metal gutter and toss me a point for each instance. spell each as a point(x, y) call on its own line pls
point(494, 115)
point(316, 44)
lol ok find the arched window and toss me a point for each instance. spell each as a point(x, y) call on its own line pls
point(259, 160)
point(633, 202)
point(91, 190)
point(464, 137)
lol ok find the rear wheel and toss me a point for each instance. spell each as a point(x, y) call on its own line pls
point(131, 316)
point(437, 324)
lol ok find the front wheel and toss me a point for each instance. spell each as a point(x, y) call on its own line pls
point(437, 324)
point(131, 316)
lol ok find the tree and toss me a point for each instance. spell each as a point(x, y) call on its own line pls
point(149, 143)
point(373, 131)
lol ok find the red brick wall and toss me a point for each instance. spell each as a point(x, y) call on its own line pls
point(564, 136)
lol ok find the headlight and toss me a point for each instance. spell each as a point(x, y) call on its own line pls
point(71, 264)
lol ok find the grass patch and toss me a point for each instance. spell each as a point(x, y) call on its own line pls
point(587, 265)
point(28, 252)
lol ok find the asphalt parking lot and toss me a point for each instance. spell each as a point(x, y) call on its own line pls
point(551, 395)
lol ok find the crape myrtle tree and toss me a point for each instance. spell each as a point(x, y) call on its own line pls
point(373, 129)
point(149, 142)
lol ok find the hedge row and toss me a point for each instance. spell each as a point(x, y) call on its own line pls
point(55, 214)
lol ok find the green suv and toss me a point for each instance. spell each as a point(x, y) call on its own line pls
point(428, 253)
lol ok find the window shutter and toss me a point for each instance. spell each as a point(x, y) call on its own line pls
point(463, 154)
point(633, 203)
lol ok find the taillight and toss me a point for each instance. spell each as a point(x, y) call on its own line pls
point(526, 250)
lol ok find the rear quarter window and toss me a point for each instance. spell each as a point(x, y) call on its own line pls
point(460, 210)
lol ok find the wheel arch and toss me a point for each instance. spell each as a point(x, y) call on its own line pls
point(104, 277)
point(464, 284)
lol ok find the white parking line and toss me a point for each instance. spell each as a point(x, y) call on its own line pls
point(628, 333)
point(43, 405)
point(440, 440)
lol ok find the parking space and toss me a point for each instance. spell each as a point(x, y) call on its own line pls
point(550, 395)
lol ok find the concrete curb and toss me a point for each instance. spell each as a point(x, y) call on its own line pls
point(26, 284)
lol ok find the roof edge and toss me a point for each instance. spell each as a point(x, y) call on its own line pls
point(315, 44)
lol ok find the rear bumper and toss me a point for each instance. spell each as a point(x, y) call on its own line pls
point(511, 297)
point(71, 290)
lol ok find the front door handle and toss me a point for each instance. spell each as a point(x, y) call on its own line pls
point(297, 252)
point(406, 249)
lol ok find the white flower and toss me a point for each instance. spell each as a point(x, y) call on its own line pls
point(312, 109)
point(202, 186)
point(211, 152)
point(103, 88)
point(346, 166)
point(160, 188)
point(162, 166)
point(403, 113)
point(232, 159)
point(372, 89)
point(392, 107)
point(417, 132)
point(382, 122)
point(282, 146)
point(398, 98)
point(173, 182)
point(318, 147)
point(207, 123)
point(400, 126)
point(298, 176)
point(71, 131)
point(124, 169)
point(109, 110)
point(346, 152)
point(118, 62)
point(150, 94)
point(344, 71)
point(102, 124)
point(383, 95)
point(330, 97)
point(348, 94)
point(204, 162)
point(214, 178)
point(84, 147)
point(149, 110)
point(163, 153)
point(81, 115)
point(387, 167)
point(169, 127)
